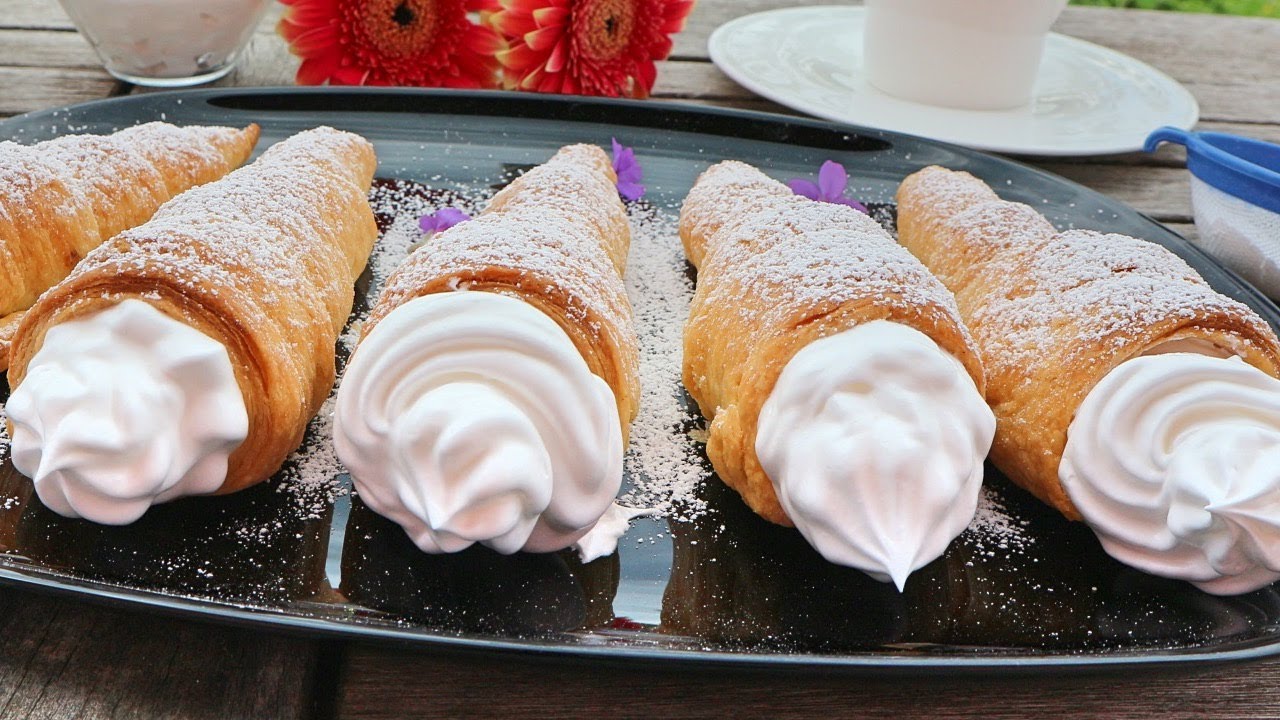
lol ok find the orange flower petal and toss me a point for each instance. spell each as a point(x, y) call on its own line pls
point(353, 76)
point(520, 56)
point(312, 12)
point(317, 70)
point(646, 76)
point(661, 49)
point(483, 41)
point(559, 56)
point(533, 80)
point(523, 6)
point(544, 39)
point(315, 41)
point(551, 83)
point(548, 16)
point(513, 25)
point(675, 14)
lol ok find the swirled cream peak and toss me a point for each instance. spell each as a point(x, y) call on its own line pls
point(124, 409)
point(874, 439)
point(1173, 459)
point(471, 417)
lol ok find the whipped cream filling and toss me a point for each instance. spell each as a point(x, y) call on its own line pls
point(124, 409)
point(602, 539)
point(1173, 459)
point(874, 439)
point(470, 417)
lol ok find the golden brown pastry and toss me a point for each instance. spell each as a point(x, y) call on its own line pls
point(61, 198)
point(1052, 313)
point(490, 396)
point(1128, 392)
point(842, 389)
point(248, 279)
point(557, 238)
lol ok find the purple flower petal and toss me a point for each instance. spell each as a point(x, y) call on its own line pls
point(628, 170)
point(853, 204)
point(630, 190)
point(803, 187)
point(832, 180)
point(449, 216)
point(442, 220)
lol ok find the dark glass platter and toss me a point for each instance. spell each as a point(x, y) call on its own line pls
point(726, 589)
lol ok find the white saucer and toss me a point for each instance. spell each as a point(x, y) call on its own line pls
point(1088, 100)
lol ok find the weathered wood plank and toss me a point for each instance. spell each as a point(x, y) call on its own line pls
point(380, 684)
point(1163, 193)
point(266, 60)
point(46, 49)
point(1254, 102)
point(707, 16)
point(1200, 48)
point(66, 659)
point(26, 89)
point(33, 14)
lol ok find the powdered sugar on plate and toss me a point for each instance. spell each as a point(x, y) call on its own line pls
point(996, 531)
point(662, 461)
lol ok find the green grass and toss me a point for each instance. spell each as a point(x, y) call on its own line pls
point(1264, 8)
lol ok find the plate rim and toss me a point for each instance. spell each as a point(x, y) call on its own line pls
point(717, 53)
point(626, 112)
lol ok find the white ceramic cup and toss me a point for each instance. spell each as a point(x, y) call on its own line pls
point(971, 54)
point(167, 43)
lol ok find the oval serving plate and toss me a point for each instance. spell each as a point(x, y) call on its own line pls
point(1021, 589)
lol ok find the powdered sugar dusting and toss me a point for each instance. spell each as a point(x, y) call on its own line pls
point(4, 434)
point(90, 187)
point(662, 460)
point(311, 473)
point(1143, 286)
point(797, 257)
point(995, 531)
point(1033, 283)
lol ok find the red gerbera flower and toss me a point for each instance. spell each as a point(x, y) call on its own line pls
point(592, 47)
point(434, 43)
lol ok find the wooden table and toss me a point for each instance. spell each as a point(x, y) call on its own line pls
point(62, 658)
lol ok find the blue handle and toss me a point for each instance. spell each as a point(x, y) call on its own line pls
point(1246, 168)
point(1167, 134)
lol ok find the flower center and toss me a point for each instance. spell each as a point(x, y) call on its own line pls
point(398, 28)
point(605, 28)
point(404, 15)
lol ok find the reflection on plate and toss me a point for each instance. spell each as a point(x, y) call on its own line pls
point(1029, 582)
point(1020, 588)
point(1088, 100)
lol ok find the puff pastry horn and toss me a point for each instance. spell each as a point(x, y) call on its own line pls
point(262, 261)
point(777, 272)
point(1053, 313)
point(557, 238)
point(61, 198)
point(490, 397)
